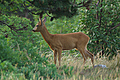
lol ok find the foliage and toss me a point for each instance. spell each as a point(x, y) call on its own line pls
point(58, 8)
point(101, 23)
point(25, 63)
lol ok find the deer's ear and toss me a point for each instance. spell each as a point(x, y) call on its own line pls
point(44, 20)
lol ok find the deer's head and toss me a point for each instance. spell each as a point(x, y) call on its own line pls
point(39, 25)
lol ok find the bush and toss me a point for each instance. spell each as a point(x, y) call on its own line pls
point(19, 61)
point(101, 23)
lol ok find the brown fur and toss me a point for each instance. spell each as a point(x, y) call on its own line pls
point(59, 42)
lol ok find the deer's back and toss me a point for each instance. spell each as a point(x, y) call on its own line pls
point(68, 41)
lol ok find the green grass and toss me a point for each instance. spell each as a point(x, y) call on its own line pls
point(71, 69)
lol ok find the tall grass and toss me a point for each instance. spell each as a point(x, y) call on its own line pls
point(71, 69)
point(111, 72)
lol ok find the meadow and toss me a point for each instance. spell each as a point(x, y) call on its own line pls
point(111, 72)
point(71, 69)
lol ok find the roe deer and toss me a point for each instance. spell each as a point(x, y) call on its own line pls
point(59, 42)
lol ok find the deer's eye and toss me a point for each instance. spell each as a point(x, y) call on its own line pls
point(37, 25)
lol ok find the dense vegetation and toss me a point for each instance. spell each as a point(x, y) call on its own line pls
point(25, 55)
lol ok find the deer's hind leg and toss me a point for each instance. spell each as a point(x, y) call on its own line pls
point(90, 56)
point(81, 50)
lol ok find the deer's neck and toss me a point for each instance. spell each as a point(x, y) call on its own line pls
point(46, 35)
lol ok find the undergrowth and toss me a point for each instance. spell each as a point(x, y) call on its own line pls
point(70, 69)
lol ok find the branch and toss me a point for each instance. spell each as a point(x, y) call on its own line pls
point(22, 28)
point(85, 4)
point(10, 26)
point(115, 26)
point(13, 28)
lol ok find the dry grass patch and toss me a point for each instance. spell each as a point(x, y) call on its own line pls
point(87, 72)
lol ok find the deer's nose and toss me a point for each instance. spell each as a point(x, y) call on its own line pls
point(33, 30)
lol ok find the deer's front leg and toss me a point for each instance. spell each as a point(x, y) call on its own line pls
point(59, 56)
point(55, 56)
